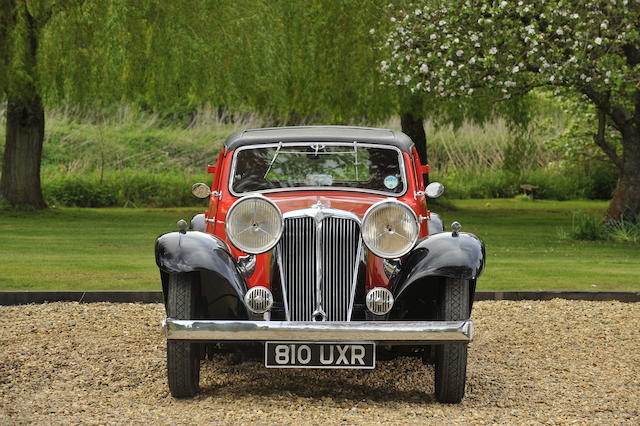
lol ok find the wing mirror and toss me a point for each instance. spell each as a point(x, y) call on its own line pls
point(434, 190)
point(200, 190)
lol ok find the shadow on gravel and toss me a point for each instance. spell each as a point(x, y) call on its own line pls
point(400, 380)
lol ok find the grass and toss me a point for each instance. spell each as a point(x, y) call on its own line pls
point(525, 251)
point(83, 249)
point(112, 249)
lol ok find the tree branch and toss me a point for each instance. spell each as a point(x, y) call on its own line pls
point(637, 106)
point(632, 54)
point(599, 139)
point(616, 112)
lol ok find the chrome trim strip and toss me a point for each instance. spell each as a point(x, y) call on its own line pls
point(320, 212)
point(355, 278)
point(319, 310)
point(380, 331)
point(282, 283)
point(403, 170)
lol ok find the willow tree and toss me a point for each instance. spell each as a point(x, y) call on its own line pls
point(159, 54)
point(318, 61)
point(21, 26)
point(457, 49)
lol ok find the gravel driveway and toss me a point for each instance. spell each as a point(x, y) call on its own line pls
point(531, 362)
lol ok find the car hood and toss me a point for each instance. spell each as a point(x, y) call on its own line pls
point(352, 202)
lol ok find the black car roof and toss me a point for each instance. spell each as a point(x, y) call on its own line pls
point(319, 134)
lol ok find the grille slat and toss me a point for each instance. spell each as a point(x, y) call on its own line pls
point(339, 250)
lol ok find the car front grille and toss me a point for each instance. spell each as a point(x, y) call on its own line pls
point(339, 246)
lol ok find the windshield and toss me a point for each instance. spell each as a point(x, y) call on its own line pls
point(319, 166)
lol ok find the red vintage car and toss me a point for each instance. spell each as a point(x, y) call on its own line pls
point(319, 247)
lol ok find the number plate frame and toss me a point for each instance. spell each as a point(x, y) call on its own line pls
point(314, 353)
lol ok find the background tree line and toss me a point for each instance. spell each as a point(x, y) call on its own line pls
point(294, 62)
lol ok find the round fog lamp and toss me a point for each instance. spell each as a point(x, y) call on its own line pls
point(379, 300)
point(258, 299)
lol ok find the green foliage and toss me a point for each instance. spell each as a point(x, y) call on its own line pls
point(125, 188)
point(145, 147)
point(624, 231)
point(523, 197)
point(585, 226)
point(454, 47)
point(552, 183)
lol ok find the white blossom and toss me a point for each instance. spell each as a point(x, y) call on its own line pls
point(424, 68)
point(418, 12)
point(372, 31)
point(472, 60)
point(459, 52)
point(598, 41)
point(515, 69)
point(433, 36)
point(449, 63)
point(493, 50)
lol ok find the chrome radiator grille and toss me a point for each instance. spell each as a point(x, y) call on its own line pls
point(339, 250)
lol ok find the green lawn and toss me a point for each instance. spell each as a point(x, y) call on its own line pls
point(112, 249)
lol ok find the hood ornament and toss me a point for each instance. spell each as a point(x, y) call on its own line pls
point(321, 203)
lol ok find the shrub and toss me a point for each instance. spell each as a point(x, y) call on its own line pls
point(126, 188)
point(592, 228)
point(624, 231)
point(587, 227)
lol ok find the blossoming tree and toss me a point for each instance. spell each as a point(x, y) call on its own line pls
point(474, 48)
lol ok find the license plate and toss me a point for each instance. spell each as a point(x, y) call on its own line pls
point(320, 355)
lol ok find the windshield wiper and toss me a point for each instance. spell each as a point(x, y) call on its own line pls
point(273, 160)
point(355, 153)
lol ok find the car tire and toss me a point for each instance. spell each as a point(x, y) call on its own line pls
point(451, 359)
point(183, 357)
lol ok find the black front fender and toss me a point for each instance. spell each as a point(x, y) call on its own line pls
point(196, 251)
point(442, 255)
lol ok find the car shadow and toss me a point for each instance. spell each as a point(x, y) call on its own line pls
point(401, 380)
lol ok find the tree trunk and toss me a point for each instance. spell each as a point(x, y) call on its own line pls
point(626, 197)
point(413, 126)
point(20, 184)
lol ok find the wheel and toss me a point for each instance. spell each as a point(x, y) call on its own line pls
point(183, 357)
point(451, 359)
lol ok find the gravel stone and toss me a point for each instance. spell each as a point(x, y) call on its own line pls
point(532, 362)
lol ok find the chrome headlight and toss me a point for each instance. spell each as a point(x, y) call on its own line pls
point(254, 224)
point(390, 229)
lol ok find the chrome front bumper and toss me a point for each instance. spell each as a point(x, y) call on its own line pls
point(417, 332)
